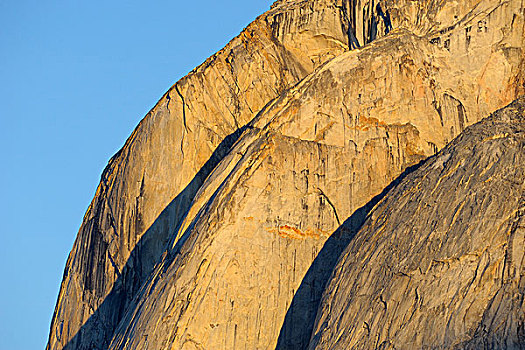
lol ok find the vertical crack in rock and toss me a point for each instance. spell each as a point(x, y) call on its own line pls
point(366, 21)
point(185, 131)
point(169, 100)
point(331, 205)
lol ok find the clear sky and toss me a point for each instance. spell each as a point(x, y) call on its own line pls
point(75, 79)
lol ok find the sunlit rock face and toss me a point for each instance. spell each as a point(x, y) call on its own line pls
point(148, 186)
point(219, 222)
point(439, 262)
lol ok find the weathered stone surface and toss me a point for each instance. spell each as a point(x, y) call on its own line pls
point(439, 263)
point(306, 163)
point(235, 240)
point(167, 158)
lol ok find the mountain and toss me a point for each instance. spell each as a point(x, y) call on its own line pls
point(220, 221)
point(440, 261)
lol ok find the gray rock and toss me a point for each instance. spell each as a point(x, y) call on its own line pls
point(440, 262)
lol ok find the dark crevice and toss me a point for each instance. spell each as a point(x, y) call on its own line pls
point(385, 16)
point(117, 271)
point(353, 43)
point(183, 119)
point(331, 205)
point(462, 116)
point(372, 21)
point(168, 103)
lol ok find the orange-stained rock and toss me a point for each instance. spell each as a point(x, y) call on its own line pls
point(149, 184)
point(219, 222)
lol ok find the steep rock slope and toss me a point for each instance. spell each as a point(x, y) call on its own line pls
point(440, 262)
point(239, 241)
point(236, 276)
point(169, 155)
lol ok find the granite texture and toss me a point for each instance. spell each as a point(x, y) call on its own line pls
point(220, 221)
point(440, 262)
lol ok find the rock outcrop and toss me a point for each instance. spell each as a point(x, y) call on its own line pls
point(210, 228)
point(148, 185)
point(440, 261)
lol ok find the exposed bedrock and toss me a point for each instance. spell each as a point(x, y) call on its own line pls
point(206, 224)
point(148, 185)
point(240, 273)
point(439, 263)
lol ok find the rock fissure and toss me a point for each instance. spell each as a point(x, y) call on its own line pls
point(184, 123)
point(331, 205)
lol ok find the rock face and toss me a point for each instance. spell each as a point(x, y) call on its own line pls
point(148, 186)
point(440, 261)
point(219, 222)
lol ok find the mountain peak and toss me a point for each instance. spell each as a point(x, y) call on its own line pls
point(220, 222)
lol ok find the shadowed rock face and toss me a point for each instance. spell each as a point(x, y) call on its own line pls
point(214, 226)
point(440, 261)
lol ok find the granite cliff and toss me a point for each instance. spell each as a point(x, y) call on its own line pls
point(440, 261)
point(220, 222)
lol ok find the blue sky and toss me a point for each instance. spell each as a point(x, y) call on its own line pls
point(75, 79)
